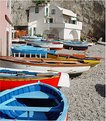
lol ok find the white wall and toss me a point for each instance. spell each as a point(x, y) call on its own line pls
point(61, 34)
point(70, 34)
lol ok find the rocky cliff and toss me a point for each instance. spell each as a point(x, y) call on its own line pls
point(91, 13)
point(18, 11)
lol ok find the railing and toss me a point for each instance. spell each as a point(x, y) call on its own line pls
point(29, 55)
point(78, 25)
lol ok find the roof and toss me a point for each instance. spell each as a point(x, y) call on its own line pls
point(67, 12)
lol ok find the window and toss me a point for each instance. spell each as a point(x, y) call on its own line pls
point(46, 11)
point(36, 9)
point(27, 12)
point(34, 31)
point(73, 21)
point(51, 20)
point(53, 11)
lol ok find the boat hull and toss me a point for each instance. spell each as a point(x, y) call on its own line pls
point(64, 68)
point(66, 46)
point(8, 83)
point(92, 62)
point(51, 45)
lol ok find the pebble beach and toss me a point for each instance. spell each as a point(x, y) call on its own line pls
point(86, 94)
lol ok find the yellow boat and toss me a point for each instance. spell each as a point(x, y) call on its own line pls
point(90, 60)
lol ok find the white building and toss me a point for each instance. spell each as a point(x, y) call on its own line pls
point(54, 21)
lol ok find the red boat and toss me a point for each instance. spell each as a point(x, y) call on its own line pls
point(10, 78)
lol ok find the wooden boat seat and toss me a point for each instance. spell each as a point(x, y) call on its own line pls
point(35, 95)
point(28, 109)
point(64, 55)
point(58, 61)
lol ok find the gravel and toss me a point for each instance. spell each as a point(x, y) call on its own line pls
point(86, 95)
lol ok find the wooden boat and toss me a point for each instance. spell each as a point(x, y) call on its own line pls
point(75, 45)
point(46, 65)
point(83, 56)
point(10, 78)
point(33, 102)
point(29, 51)
point(76, 57)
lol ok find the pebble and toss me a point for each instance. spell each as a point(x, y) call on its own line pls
point(86, 96)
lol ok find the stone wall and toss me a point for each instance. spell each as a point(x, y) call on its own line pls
point(90, 12)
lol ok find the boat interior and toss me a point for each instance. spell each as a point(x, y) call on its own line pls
point(4, 73)
point(47, 106)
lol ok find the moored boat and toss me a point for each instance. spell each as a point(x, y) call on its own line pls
point(10, 78)
point(83, 56)
point(46, 44)
point(75, 57)
point(75, 45)
point(24, 50)
point(33, 102)
point(46, 65)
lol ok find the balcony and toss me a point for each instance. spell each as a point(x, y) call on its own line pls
point(77, 26)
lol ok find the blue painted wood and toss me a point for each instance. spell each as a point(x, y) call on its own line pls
point(27, 49)
point(33, 102)
point(7, 71)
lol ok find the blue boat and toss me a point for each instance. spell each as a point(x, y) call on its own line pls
point(33, 102)
point(27, 50)
point(75, 45)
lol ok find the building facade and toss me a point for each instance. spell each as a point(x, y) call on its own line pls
point(5, 27)
point(53, 21)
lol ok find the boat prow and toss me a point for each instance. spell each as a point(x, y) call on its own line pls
point(64, 80)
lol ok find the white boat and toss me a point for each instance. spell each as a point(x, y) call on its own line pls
point(47, 44)
point(40, 65)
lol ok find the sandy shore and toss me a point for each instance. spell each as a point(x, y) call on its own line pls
point(86, 96)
